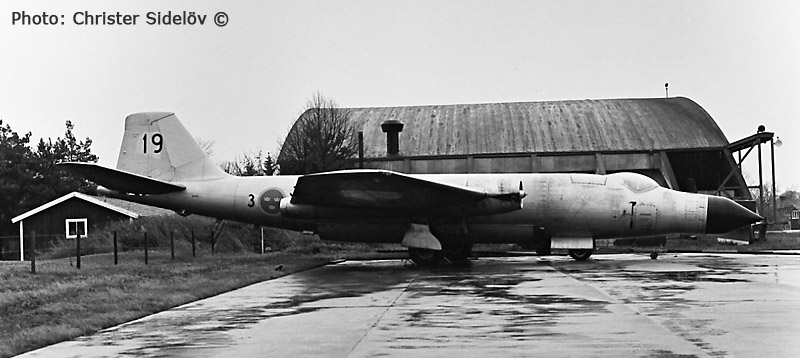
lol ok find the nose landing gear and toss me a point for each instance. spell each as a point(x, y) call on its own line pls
point(580, 254)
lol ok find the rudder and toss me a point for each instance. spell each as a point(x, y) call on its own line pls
point(157, 145)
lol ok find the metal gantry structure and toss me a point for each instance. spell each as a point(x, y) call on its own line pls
point(747, 145)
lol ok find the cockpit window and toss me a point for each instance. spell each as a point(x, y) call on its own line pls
point(636, 182)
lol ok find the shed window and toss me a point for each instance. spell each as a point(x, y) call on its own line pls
point(795, 214)
point(75, 227)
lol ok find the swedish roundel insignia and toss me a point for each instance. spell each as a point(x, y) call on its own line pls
point(270, 201)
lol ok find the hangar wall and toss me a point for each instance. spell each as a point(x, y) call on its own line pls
point(672, 140)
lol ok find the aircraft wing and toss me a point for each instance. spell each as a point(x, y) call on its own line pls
point(121, 181)
point(383, 190)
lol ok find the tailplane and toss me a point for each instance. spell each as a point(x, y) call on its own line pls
point(157, 145)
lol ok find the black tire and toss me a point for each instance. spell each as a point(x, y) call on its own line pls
point(425, 257)
point(580, 254)
point(457, 251)
point(654, 255)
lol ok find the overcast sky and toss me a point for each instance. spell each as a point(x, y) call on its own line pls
point(244, 84)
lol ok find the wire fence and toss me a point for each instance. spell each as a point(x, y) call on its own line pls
point(58, 246)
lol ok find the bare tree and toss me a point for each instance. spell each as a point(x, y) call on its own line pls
point(322, 139)
point(764, 207)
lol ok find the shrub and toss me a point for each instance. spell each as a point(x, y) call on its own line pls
point(231, 237)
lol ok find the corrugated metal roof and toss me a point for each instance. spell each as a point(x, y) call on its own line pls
point(605, 125)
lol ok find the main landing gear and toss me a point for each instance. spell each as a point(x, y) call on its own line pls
point(455, 252)
point(425, 257)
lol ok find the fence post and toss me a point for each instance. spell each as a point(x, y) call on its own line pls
point(212, 241)
point(145, 248)
point(193, 252)
point(33, 252)
point(116, 259)
point(172, 244)
point(78, 249)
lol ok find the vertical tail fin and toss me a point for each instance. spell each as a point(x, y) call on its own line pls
point(156, 145)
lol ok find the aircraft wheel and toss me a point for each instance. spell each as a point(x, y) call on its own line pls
point(654, 255)
point(457, 251)
point(425, 257)
point(580, 255)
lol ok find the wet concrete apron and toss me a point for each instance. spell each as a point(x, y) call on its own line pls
point(611, 306)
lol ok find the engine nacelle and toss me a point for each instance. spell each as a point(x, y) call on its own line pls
point(490, 205)
point(317, 212)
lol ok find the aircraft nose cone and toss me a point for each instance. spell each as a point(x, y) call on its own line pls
point(724, 215)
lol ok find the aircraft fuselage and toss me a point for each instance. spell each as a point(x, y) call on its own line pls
point(566, 205)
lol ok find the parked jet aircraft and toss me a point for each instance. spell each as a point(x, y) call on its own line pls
point(435, 216)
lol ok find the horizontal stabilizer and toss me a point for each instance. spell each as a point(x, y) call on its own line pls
point(121, 181)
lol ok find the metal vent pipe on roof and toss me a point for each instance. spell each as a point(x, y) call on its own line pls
point(392, 128)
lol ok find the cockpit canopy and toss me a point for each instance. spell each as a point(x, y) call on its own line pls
point(637, 183)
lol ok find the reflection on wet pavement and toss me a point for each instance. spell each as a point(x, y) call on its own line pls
point(611, 306)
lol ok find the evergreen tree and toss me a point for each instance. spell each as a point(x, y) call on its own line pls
point(53, 181)
point(17, 169)
point(252, 165)
point(31, 178)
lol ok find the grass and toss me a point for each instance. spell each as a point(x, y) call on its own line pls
point(61, 302)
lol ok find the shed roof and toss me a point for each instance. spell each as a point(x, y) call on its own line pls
point(605, 125)
point(74, 194)
point(131, 209)
point(140, 209)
